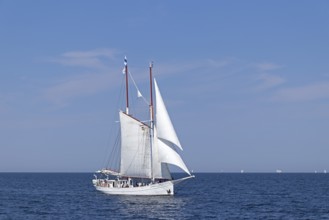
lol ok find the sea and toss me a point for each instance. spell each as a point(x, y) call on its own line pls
point(207, 196)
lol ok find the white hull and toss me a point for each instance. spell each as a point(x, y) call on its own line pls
point(165, 188)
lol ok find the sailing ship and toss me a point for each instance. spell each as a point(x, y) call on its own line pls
point(147, 148)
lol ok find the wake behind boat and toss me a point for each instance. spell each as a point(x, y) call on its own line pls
point(146, 150)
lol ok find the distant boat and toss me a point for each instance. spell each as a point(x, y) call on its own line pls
point(146, 150)
point(278, 171)
point(242, 171)
point(325, 171)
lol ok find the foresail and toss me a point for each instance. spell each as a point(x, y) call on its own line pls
point(135, 147)
point(165, 128)
point(168, 155)
point(160, 169)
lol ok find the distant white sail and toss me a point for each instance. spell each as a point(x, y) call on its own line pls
point(165, 128)
point(135, 147)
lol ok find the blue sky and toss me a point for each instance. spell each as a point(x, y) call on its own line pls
point(246, 82)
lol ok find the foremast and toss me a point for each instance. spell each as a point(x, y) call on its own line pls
point(127, 94)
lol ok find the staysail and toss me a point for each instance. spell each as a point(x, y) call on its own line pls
point(160, 169)
point(165, 128)
point(169, 155)
point(135, 147)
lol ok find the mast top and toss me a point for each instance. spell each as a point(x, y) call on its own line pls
point(127, 95)
point(125, 61)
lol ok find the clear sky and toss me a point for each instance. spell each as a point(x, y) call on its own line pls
point(246, 82)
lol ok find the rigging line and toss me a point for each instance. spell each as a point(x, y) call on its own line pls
point(113, 160)
point(109, 154)
point(132, 79)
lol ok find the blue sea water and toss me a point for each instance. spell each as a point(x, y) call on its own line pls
point(208, 196)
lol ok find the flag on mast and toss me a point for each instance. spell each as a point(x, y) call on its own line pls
point(125, 62)
point(124, 68)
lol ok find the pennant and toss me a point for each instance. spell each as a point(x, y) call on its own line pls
point(139, 94)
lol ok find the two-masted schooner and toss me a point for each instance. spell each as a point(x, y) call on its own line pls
point(146, 150)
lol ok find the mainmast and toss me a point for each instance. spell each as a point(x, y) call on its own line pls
point(127, 95)
point(151, 120)
point(151, 92)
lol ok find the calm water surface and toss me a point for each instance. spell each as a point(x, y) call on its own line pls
point(208, 196)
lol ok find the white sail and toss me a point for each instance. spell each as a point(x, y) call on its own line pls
point(165, 136)
point(168, 155)
point(165, 128)
point(135, 147)
point(160, 169)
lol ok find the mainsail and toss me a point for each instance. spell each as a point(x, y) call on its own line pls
point(135, 147)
